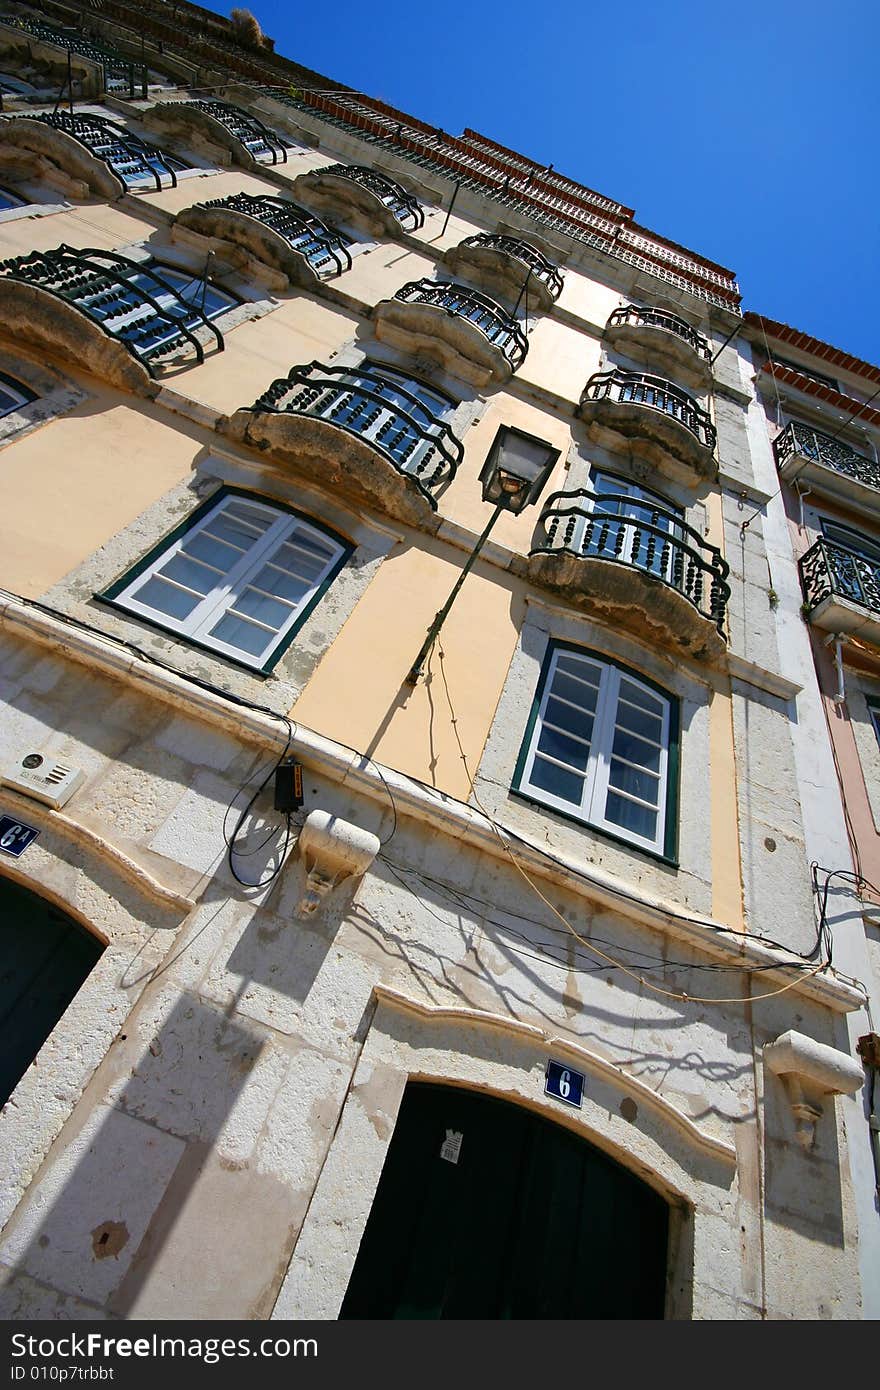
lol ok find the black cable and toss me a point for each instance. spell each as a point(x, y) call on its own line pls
point(231, 852)
point(658, 962)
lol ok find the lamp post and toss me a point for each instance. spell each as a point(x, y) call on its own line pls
point(513, 476)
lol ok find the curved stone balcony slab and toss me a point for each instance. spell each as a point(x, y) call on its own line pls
point(274, 231)
point(242, 137)
point(101, 311)
point(27, 142)
point(368, 201)
point(464, 332)
point(667, 424)
point(636, 568)
point(841, 591)
point(828, 466)
point(664, 340)
point(507, 267)
point(346, 427)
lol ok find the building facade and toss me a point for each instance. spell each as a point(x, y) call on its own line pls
point(371, 955)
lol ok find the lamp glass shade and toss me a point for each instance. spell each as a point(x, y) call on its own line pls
point(516, 469)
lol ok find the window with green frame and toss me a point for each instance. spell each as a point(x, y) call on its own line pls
point(239, 577)
point(602, 746)
point(874, 712)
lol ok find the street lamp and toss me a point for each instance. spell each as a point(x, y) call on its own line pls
point(513, 476)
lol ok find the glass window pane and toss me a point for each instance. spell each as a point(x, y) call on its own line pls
point(549, 777)
point(274, 580)
point(239, 633)
point(272, 612)
point(636, 721)
point(575, 691)
point(636, 781)
point(573, 721)
point(567, 750)
point(166, 598)
point(637, 695)
point(629, 815)
point(192, 575)
point(636, 750)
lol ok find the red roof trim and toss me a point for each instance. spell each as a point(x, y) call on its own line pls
point(824, 351)
point(849, 404)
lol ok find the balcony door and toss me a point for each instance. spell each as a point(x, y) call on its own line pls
point(639, 536)
point(488, 1210)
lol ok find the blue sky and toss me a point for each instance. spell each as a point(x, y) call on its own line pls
point(748, 133)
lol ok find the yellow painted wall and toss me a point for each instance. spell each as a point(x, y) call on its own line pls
point(358, 693)
point(73, 484)
point(463, 502)
point(259, 351)
point(99, 225)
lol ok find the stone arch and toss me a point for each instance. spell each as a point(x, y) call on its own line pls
point(133, 915)
point(692, 1167)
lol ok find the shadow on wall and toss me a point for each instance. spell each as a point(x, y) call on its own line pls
point(143, 1178)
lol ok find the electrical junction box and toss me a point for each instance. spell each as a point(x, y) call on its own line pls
point(45, 778)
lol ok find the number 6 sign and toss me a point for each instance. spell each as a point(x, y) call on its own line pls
point(15, 836)
point(564, 1083)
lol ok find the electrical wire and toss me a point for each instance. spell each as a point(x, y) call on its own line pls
point(231, 852)
point(588, 945)
point(496, 827)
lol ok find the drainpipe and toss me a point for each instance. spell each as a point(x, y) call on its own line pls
point(802, 493)
point(839, 697)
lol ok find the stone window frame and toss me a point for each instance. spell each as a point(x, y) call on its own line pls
point(121, 595)
point(50, 394)
point(688, 870)
point(78, 594)
point(665, 842)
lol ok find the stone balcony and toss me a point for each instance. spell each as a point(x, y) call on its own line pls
point(669, 427)
point(635, 565)
point(351, 426)
point(662, 338)
point(841, 591)
point(507, 267)
point(828, 466)
point(465, 332)
point(363, 198)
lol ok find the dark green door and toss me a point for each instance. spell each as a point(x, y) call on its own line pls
point(529, 1222)
point(44, 958)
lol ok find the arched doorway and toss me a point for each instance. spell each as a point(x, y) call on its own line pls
point(520, 1218)
point(44, 958)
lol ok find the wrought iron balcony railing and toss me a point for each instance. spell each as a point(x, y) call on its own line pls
point(128, 300)
point(405, 207)
point(542, 269)
point(264, 144)
point(824, 448)
point(119, 72)
point(376, 408)
point(829, 570)
point(634, 317)
point(324, 248)
point(493, 322)
point(134, 161)
point(654, 393)
point(630, 531)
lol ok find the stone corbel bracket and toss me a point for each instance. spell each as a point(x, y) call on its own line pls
point(810, 1071)
point(331, 850)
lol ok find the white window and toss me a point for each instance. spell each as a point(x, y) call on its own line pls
point(13, 395)
point(598, 748)
point(240, 579)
